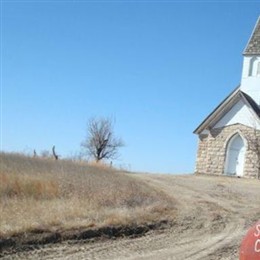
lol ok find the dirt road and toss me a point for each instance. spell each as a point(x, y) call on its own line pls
point(214, 214)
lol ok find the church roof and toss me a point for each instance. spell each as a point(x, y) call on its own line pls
point(253, 46)
point(225, 106)
point(252, 103)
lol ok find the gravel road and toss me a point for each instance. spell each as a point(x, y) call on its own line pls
point(213, 215)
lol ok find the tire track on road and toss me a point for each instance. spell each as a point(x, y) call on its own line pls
point(213, 215)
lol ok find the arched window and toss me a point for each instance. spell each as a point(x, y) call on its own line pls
point(258, 69)
point(251, 66)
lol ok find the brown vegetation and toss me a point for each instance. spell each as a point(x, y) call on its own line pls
point(44, 194)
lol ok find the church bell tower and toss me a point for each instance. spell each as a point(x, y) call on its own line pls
point(250, 82)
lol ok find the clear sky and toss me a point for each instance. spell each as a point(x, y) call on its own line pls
point(157, 67)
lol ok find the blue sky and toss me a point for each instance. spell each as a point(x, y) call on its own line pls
point(157, 67)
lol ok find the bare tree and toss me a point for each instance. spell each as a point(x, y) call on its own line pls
point(100, 142)
point(54, 153)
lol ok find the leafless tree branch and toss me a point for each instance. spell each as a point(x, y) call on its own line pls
point(101, 142)
point(54, 153)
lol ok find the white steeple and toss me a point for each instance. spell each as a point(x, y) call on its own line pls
point(250, 82)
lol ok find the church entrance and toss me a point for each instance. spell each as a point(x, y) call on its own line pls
point(235, 156)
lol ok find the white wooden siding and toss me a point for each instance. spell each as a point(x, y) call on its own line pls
point(239, 113)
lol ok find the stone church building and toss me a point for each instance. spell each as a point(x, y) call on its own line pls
point(229, 139)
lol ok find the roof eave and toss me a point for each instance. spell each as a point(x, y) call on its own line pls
point(251, 54)
point(216, 112)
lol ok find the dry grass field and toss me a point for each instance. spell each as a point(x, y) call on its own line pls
point(209, 214)
point(47, 195)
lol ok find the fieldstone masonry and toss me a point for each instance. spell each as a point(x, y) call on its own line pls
point(240, 112)
point(213, 147)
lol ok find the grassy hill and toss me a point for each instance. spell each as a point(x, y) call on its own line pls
point(43, 194)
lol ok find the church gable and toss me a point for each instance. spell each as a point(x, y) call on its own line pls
point(237, 108)
point(240, 113)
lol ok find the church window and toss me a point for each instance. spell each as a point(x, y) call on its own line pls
point(258, 69)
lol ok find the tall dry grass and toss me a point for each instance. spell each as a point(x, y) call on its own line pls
point(44, 194)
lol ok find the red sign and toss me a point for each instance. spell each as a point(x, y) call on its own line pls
point(250, 246)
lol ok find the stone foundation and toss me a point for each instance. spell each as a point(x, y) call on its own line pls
point(213, 148)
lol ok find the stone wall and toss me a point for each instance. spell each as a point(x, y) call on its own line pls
point(212, 150)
